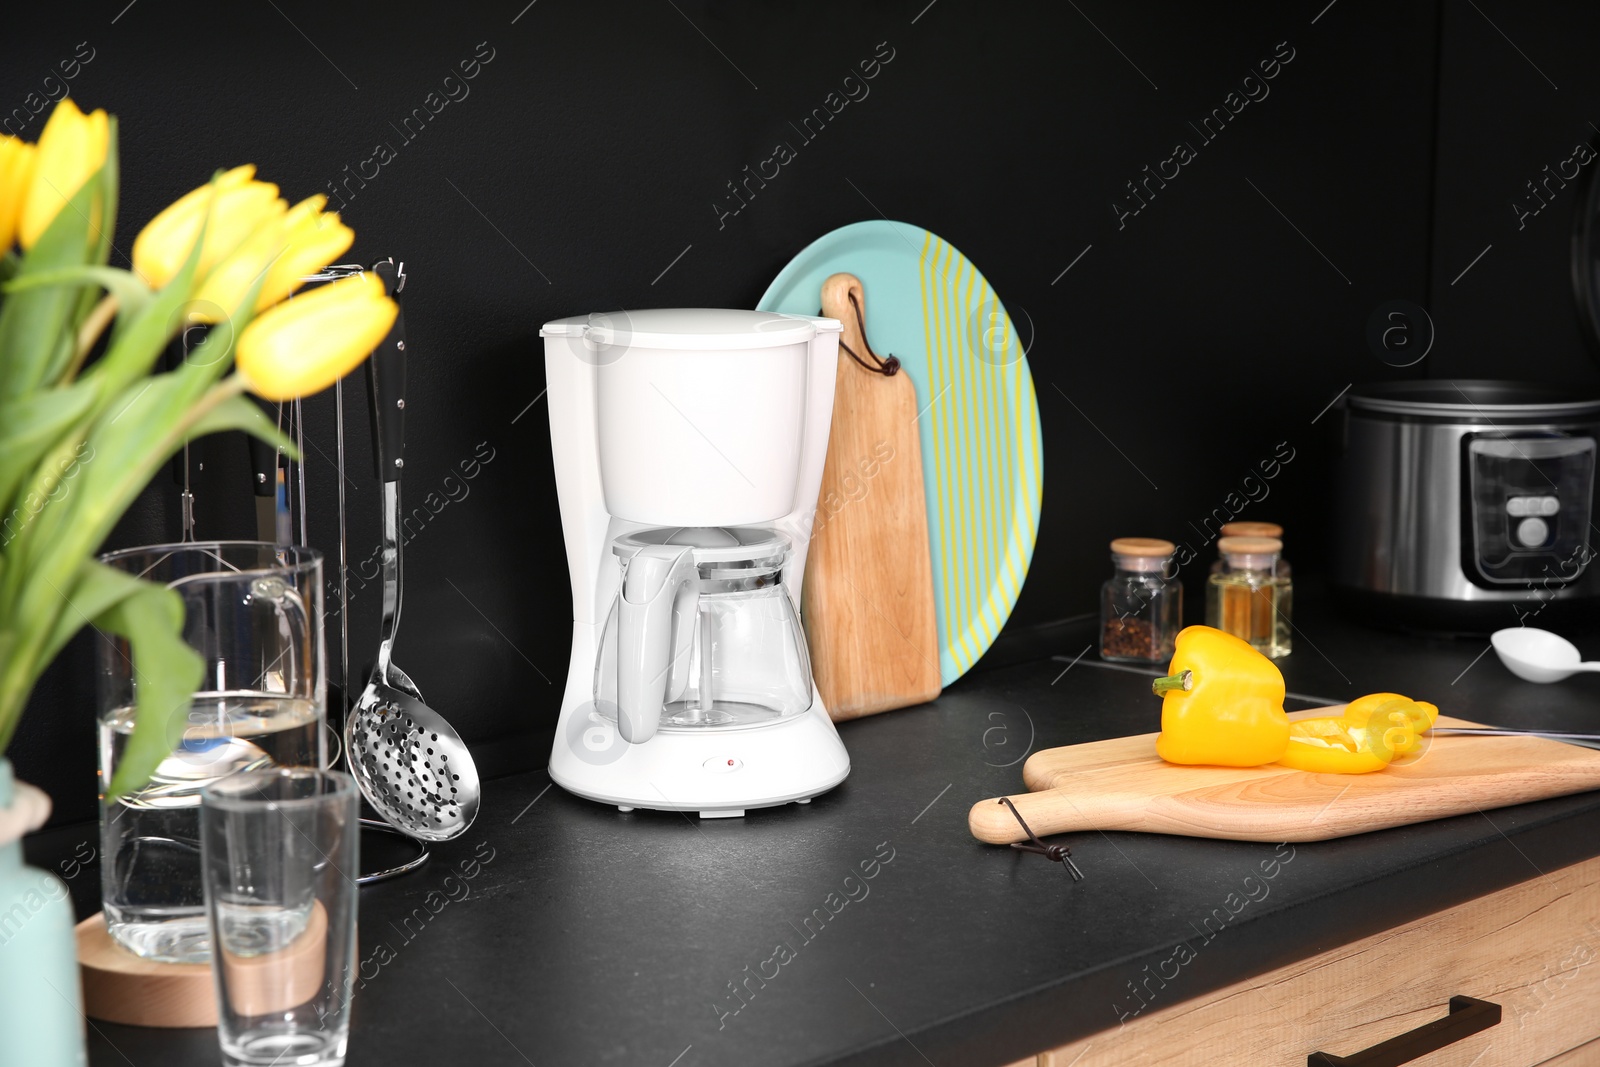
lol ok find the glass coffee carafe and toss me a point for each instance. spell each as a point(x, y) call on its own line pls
point(703, 633)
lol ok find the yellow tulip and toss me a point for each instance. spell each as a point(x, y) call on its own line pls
point(16, 170)
point(285, 250)
point(237, 207)
point(305, 345)
point(223, 289)
point(194, 201)
point(71, 149)
point(313, 238)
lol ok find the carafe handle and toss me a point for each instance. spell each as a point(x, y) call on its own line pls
point(296, 671)
point(650, 589)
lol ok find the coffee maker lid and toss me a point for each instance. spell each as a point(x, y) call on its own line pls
point(711, 544)
point(701, 329)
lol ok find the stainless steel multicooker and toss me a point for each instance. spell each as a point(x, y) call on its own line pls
point(1467, 506)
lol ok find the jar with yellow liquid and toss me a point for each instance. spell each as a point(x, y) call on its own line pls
point(1249, 597)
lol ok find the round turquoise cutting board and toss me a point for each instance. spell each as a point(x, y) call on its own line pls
point(978, 420)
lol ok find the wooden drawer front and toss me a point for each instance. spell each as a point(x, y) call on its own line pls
point(1534, 949)
point(1587, 1056)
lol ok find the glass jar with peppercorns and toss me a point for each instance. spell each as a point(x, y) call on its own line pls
point(1141, 606)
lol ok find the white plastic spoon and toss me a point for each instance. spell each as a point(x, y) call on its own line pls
point(1539, 655)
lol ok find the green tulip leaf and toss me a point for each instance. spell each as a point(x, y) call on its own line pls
point(138, 432)
point(33, 424)
point(139, 428)
point(141, 336)
point(132, 294)
point(32, 323)
point(166, 673)
point(99, 589)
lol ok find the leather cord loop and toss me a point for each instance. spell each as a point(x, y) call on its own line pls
point(1059, 853)
point(888, 367)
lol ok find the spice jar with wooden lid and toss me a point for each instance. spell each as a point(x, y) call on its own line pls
point(1253, 529)
point(1141, 606)
point(1247, 597)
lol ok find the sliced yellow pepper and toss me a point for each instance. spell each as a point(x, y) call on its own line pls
point(1332, 745)
point(1371, 733)
point(1362, 707)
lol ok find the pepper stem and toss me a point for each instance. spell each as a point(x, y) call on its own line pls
point(1183, 681)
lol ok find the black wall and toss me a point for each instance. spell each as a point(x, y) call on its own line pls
point(1191, 342)
point(1516, 97)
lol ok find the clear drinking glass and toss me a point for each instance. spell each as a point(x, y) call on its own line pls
point(254, 613)
point(281, 855)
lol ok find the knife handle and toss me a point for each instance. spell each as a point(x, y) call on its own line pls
point(386, 386)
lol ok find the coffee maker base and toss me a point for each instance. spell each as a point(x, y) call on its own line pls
point(719, 773)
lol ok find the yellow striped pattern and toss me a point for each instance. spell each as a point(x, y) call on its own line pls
point(981, 455)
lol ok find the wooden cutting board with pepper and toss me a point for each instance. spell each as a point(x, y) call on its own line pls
point(1121, 784)
point(1309, 776)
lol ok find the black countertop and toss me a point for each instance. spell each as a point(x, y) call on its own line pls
point(572, 934)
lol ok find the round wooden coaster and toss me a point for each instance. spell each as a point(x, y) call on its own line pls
point(119, 987)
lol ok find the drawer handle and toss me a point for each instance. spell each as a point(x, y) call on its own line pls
point(1467, 1017)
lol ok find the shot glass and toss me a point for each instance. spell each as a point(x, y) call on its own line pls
point(280, 855)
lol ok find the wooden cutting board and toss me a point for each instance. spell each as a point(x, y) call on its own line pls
point(868, 593)
point(1121, 784)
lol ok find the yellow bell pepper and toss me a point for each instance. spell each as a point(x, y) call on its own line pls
point(16, 172)
point(241, 206)
point(72, 147)
point(305, 345)
point(1372, 732)
point(1222, 702)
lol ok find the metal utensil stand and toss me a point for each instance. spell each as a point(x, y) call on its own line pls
point(338, 756)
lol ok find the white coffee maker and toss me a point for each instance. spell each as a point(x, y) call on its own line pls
point(688, 449)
